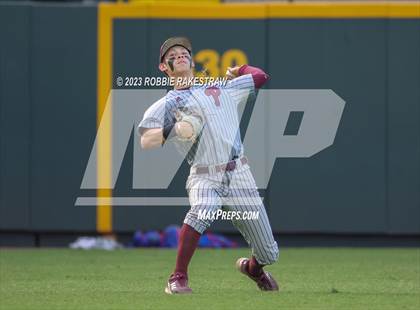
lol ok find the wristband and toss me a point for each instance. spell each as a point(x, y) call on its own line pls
point(169, 131)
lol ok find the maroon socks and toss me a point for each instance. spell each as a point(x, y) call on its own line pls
point(254, 268)
point(188, 242)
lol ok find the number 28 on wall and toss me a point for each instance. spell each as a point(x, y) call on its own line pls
point(216, 65)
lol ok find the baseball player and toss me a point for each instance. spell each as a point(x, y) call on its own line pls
point(203, 123)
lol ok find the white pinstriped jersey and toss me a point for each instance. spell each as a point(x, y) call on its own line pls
point(218, 143)
point(220, 139)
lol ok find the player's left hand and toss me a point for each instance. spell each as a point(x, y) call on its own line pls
point(232, 73)
point(184, 130)
point(189, 124)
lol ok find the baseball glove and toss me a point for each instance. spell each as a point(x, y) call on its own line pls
point(193, 117)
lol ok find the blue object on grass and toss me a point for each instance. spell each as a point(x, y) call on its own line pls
point(139, 239)
point(153, 238)
point(170, 237)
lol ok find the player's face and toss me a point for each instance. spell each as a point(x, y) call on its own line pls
point(177, 61)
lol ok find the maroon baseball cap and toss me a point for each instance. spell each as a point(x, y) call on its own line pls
point(174, 41)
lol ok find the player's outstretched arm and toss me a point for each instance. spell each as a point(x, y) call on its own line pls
point(151, 138)
point(155, 137)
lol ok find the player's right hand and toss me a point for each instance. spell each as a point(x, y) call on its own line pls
point(232, 73)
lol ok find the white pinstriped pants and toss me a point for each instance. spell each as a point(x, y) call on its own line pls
point(233, 191)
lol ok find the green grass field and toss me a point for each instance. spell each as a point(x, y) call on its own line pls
point(318, 278)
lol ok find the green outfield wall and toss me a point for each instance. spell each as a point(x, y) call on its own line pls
point(58, 63)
